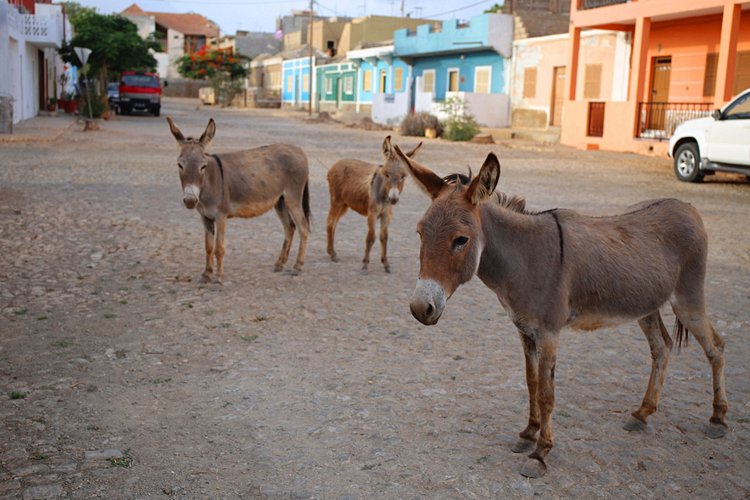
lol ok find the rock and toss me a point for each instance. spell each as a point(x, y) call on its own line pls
point(103, 454)
point(66, 468)
point(31, 469)
point(43, 491)
point(483, 139)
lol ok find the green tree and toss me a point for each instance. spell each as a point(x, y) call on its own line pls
point(113, 40)
point(495, 9)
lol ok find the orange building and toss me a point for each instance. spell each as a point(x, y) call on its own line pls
point(687, 57)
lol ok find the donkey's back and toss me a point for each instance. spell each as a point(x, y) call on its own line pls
point(635, 261)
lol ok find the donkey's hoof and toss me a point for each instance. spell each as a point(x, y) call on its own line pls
point(277, 268)
point(334, 258)
point(295, 271)
point(635, 425)
point(523, 445)
point(387, 269)
point(364, 271)
point(533, 468)
point(205, 278)
point(716, 431)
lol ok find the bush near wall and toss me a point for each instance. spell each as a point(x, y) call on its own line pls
point(415, 124)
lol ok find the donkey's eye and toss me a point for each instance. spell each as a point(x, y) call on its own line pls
point(181, 167)
point(203, 167)
point(459, 242)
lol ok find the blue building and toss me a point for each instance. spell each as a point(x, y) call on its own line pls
point(467, 59)
point(383, 83)
point(295, 77)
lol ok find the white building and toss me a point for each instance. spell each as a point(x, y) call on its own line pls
point(30, 34)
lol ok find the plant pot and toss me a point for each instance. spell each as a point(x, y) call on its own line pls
point(52, 107)
point(71, 106)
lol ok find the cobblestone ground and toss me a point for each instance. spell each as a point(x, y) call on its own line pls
point(122, 377)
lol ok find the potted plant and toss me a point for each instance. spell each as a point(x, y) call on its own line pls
point(52, 104)
point(71, 105)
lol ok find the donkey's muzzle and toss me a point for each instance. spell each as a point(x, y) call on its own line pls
point(190, 201)
point(427, 302)
point(393, 196)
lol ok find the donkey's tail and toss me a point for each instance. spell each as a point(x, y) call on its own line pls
point(681, 334)
point(306, 203)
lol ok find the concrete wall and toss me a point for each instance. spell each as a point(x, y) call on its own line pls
point(175, 50)
point(390, 109)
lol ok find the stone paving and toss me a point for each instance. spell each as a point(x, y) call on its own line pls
point(122, 377)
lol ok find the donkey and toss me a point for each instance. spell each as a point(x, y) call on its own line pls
point(370, 190)
point(559, 268)
point(244, 184)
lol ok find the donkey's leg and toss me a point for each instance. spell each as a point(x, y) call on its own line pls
point(209, 234)
point(298, 217)
point(221, 226)
point(527, 438)
point(385, 219)
point(697, 323)
point(660, 344)
point(536, 465)
point(286, 220)
point(337, 210)
point(370, 240)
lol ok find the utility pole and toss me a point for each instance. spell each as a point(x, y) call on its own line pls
point(310, 80)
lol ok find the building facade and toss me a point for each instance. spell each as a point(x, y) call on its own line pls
point(687, 58)
point(30, 34)
point(470, 60)
point(336, 86)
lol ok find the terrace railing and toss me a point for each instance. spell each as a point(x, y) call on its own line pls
point(593, 4)
point(658, 120)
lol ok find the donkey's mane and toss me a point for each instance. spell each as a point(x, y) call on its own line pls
point(514, 203)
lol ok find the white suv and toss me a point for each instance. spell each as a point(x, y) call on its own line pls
point(719, 142)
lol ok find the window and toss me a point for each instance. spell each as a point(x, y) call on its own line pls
point(428, 80)
point(398, 79)
point(709, 79)
point(741, 72)
point(740, 110)
point(289, 83)
point(529, 83)
point(349, 85)
point(482, 79)
point(367, 80)
point(305, 83)
point(383, 82)
point(329, 85)
point(593, 83)
point(453, 80)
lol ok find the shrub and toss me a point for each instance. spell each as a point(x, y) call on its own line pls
point(98, 105)
point(460, 125)
point(414, 124)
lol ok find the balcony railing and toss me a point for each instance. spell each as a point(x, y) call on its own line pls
point(658, 120)
point(41, 30)
point(593, 4)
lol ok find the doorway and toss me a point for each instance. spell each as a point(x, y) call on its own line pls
point(558, 93)
point(661, 74)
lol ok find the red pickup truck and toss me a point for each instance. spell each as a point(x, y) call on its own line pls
point(139, 92)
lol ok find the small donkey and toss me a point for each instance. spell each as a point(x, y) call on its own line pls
point(369, 190)
point(244, 184)
point(559, 268)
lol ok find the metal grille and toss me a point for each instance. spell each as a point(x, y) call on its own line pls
point(658, 120)
point(593, 4)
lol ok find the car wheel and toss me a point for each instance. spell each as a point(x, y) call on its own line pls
point(124, 110)
point(687, 162)
point(157, 110)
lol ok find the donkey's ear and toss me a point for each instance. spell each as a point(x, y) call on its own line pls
point(208, 134)
point(411, 153)
point(176, 132)
point(485, 183)
point(427, 180)
point(387, 148)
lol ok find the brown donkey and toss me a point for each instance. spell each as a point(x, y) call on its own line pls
point(559, 268)
point(244, 184)
point(370, 190)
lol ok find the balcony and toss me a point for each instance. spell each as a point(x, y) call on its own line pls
point(595, 4)
point(43, 31)
point(658, 120)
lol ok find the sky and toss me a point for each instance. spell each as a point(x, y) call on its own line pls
point(260, 15)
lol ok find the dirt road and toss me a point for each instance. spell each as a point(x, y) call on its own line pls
point(122, 377)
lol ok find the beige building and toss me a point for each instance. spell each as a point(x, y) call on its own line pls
point(539, 75)
point(337, 35)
